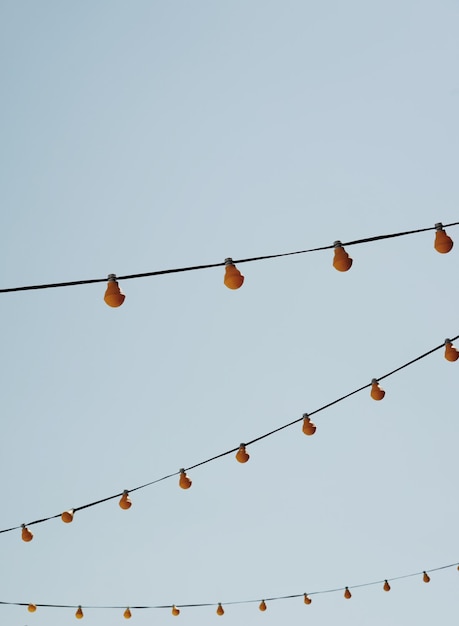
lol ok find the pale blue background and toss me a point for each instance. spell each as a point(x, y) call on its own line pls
point(139, 136)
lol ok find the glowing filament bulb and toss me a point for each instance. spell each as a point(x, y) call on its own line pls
point(233, 277)
point(341, 260)
point(220, 610)
point(125, 501)
point(347, 593)
point(184, 481)
point(451, 353)
point(386, 586)
point(376, 392)
point(26, 534)
point(425, 577)
point(175, 610)
point(241, 455)
point(67, 516)
point(443, 243)
point(127, 614)
point(114, 297)
point(32, 608)
point(79, 613)
point(308, 427)
point(307, 599)
point(262, 606)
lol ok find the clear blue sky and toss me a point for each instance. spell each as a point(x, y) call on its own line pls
point(140, 136)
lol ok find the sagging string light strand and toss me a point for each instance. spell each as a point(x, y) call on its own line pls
point(242, 455)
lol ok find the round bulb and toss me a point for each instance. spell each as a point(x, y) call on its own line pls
point(184, 481)
point(386, 586)
point(26, 534)
point(67, 516)
point(308, 427)
point(233, 277)
point(175, 610)
point(376, 392)
point(32, 608)
point(426, 577)
point(220, 610)
point(451, 353)
point(307, 599)
point(241, 455)
point(114, 297)
point(443, 243)
point(341, 260)
point(262, 606)
point(127, 614)
point(125, 502)
point(79, 613)
point(347, 593)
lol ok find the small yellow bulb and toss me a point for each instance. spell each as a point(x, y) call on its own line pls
point(233, 277)
point(426, 577)
point(220, 610)
point(376, 392)
point(451, 353)
point(347, 593)
point(127, 614)
point(386, 586)
point(125, 501)
point(241, 455)
point(341, 260)
point(175, 610)
point(308, 427)
point(184, 481)
point(26, 534)
point(307, 599)
point(262, 606)
point(443, 243)
point(32, 608)
point(114, 297)
point(79, 613)
point(67, 516)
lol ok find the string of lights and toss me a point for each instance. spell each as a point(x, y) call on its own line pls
point(376, 392)
point(176, 608)
point(233, 278)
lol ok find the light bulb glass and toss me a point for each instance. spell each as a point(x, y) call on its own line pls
point(443, 243)
point(127, 614)
point(220, 610)
point(175, 610)
point(308, 427)
point(341, 260)
point(376, 392)
point(307, 599)
point(114, 297)
point(233, 277)
point(26, 534)
point(386, 586)
point(241, 455)
point(79, 613)
point(67, 516)
point(451, 353)
point(32, 608)
point(262, 606)
point(347, 593)
point(184, 481)
point(425, 577)
point(125, 501)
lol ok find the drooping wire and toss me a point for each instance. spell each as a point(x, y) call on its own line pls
point(232, 450)
point(221, 264)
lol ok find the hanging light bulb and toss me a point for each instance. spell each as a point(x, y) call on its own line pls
point(79, 613)
point(67, 516)
point(425, 577)
point(386, 586)
point(233, 277)
point(220, 610)
point(262, 606)
point(241, 455)
point(184, 481)
point(443, 243)
point(127, 614)
point(32, 608)
point(347, 593)
point(26, 534)
point(308, 427)
point(451, 353)
point(341, 260)
point(114, 297)
point(175, 610)
point(376, 392)
point(307, 599)
point(125, 501)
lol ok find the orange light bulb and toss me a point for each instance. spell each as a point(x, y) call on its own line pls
point(386, 586)
point(308, 427)
point(241, 455)
point(127, 614)
point(67, 516)
point(220, 610)
point(443, 243)
point(262, 606)
point(233, 277)
point(114, 297)
point(307, 599)
point(451, 353)
point(184, 481)
point(426, 577)
point(79, 613)
point(32, 608)
point(347, 593)
point(341, 260)
point(125, 501)
point(26, 534)
point(376, 392)
point(175, 610)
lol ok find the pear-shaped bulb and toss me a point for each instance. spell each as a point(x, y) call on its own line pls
point(425, 577)
point(26, 534)
point(220, 610)
point(307, 599)
point(451, 353)
point(79, 613)
point(341, 260)
point(175, 610)
point(386, 586)
point(347, 593)
point(308, 427)
point(376, 392)
point(127, 613)
point(443, 243)
point(262, 606)
point(32, 608)
point(233, 277)
point(125, 501)
point(114, 297)
point(67, 516)
point(241, 455)
point(184, 481)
